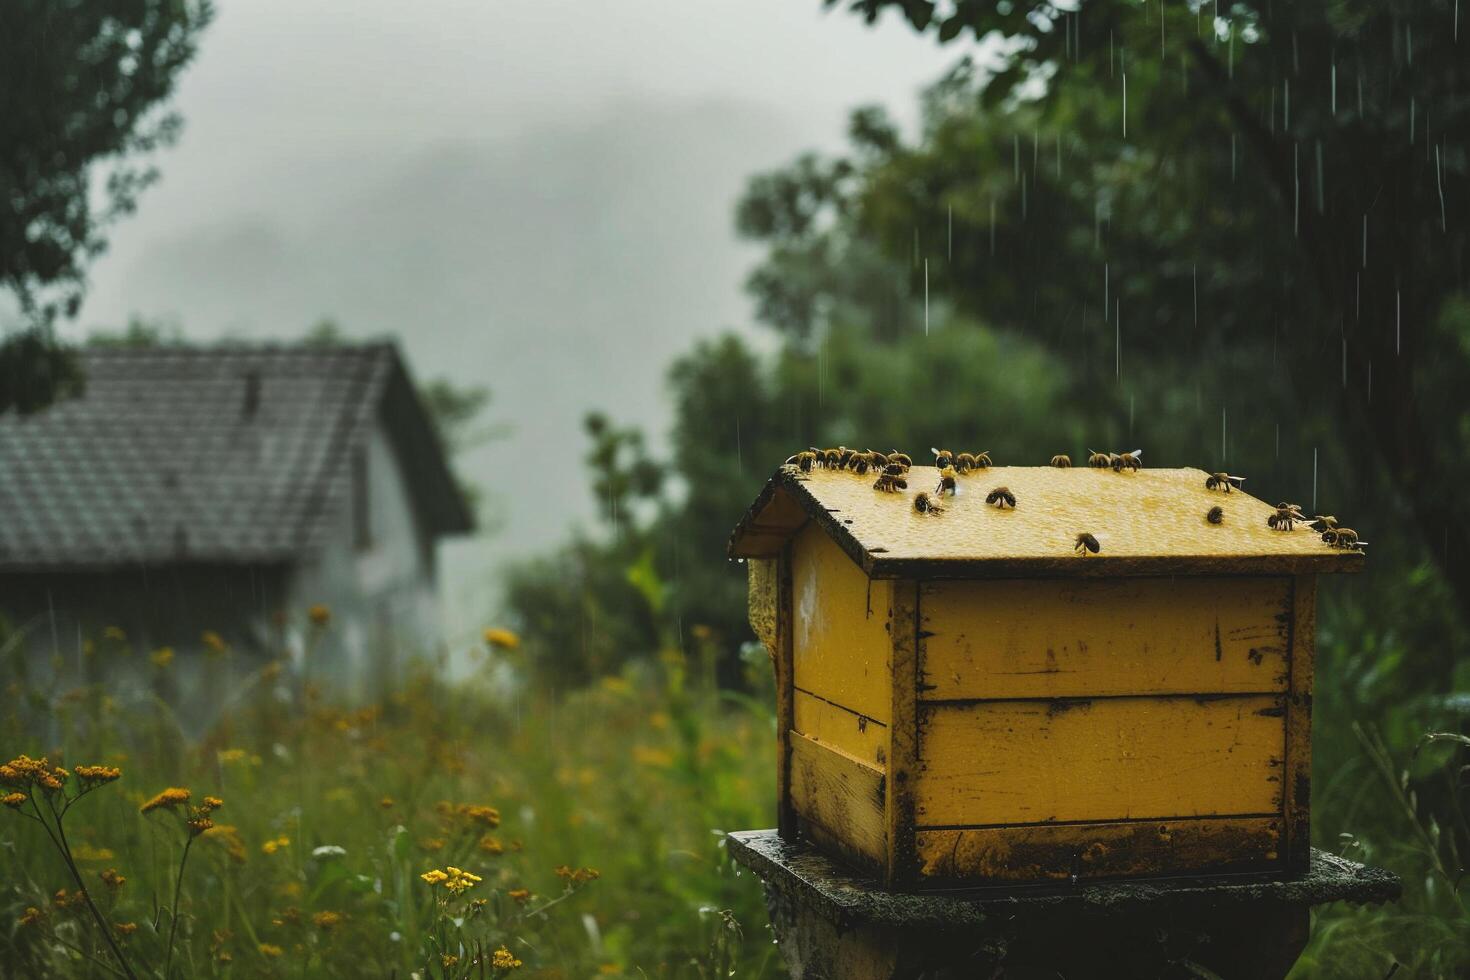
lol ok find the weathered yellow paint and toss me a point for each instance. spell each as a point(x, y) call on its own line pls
point(1012, 762)
point(840, 796)
point(785, 696)
point(761, 599)
point(903, 732)
point(1101, 850)
point(1149, 523)
point(1298, 779)
point(1046, 638)
point(839, 629)
point(838, 728)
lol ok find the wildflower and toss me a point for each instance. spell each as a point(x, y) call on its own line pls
point(432, 844)
point(213, 642)
point(272, 846)
point(269, 951)
point(64, 899)
point(491, 845)
point(504, 959)
point(14, 800)
point(448, 960)
point(487, 815)
point(162, 657)
point(32, 916)
point(198, 825)
point(646, 755)
point(227, 836)
point(229, 756)
point(501, 639)
point(169, 798)
point(386, 803)
point(520, 895)
point(125, 928)
point(24, 772)
point(327, 921)
point(112, 879)
point(86, 852)
point(434, 877)
point(319, 614)
point(96, 775)
point(577, 875)
point(114, 633)
point(329, 851)
point(459, 881)
point(211, 803)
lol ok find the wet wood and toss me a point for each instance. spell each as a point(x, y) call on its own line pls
point(1042, 638)
point(785, 707)
point(903, 752)
point(836, 727)
point(1013, 762)
point(1149, 523)
point(1298, 778)
point(841, 796)
point(840, 638)
point(1100, 850)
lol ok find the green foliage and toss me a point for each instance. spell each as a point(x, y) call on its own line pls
point(331, 814)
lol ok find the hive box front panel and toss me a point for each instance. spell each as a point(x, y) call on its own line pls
point(1099, 728)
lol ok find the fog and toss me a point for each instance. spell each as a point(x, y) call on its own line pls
point(536, 197)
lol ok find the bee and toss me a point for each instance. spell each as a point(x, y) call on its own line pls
point(833, 459)
point(1001, 497)
point(942, 458)
point(1086, 543)
point(1223, 481)
point(1324, 522)
point(1126, 461)
point(888, 483)
point(982, 461)
point(895, 469)
point(1343, 537)
point(1285, 517)
point(902, 459)
point(947, 482)
point(1215, 515)
point(1062, 461)
point(804, 461)
point(925, 504)
point(1099, 461)
point(861, 462)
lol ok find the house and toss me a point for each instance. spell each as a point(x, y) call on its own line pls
point(227, 489)
point(1052, 674)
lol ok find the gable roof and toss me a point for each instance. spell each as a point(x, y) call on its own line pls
point(1151, 522)
point(223, 454)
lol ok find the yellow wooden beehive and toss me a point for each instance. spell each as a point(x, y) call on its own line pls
point(964, 697)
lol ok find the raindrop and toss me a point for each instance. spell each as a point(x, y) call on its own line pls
point(1222, 435)
point(1314, 479)
point(1117, 339)
point(1334, 88)
point(1125, 105)
point(1439, 182)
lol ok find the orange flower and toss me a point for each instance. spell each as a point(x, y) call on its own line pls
point(319, 614)
point(171, 797)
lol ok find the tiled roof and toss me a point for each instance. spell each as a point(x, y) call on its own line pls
point(224, 454)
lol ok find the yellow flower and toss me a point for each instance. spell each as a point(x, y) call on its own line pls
point(501, 639)
point(319, 614)
point(520, 895)
point(211, 803)
point(448, 960)
point(162, 657)
point(86, 852)
point(432, 844)
point(229, 756)
point(503, 959)
point(14, 800)
point(272, 846)
point(434, 877)
point(32, 916)
point(112, 879)
point(327, 921)
point(114, 633)
point(577, 875)
point(24, 772)
point(459, 881)
point(97, 775)
point(171, 797)
point(269, 951)
point(491, 845)
point(125, 928)
point(386, 803)
point(213, 642)
point(487, 815)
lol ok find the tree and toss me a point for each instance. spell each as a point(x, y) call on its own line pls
point(86, 85)
point(1259, 209)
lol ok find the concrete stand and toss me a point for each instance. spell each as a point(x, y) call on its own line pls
point(834, 925)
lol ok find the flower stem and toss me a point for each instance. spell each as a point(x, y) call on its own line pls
point(173, 921)
point(62, 845)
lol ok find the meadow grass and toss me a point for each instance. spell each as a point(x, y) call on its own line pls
point(593, 823)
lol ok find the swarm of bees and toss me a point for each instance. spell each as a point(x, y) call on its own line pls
point(1117, 462)
point(925, 504)
point(1061, 461)
point(1285, 517)
point(1087, 543)
point(1001, 497)
point(962, 463)
point(1223, 481)
point(1215, 515)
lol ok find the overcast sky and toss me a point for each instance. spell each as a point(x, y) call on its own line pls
point(535, 196)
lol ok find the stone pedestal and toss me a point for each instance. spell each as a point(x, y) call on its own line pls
point(834, 925)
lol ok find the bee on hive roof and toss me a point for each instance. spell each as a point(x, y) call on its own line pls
point(947, 482)
point(925, 504)
point(1223, 481)
point(1343, 537)
point(1001, 497)
point(1086, 543)
point(1061, 461)
point(1098, 460)
point(1126, 461)
point(890, 483)
point(942, 458)
point(1215, 515)
point(1285, 517)
point(804, 460)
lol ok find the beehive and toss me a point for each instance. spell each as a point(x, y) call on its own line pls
point(964, 698)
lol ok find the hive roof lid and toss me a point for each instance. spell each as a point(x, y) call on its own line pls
point(1151, 522)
